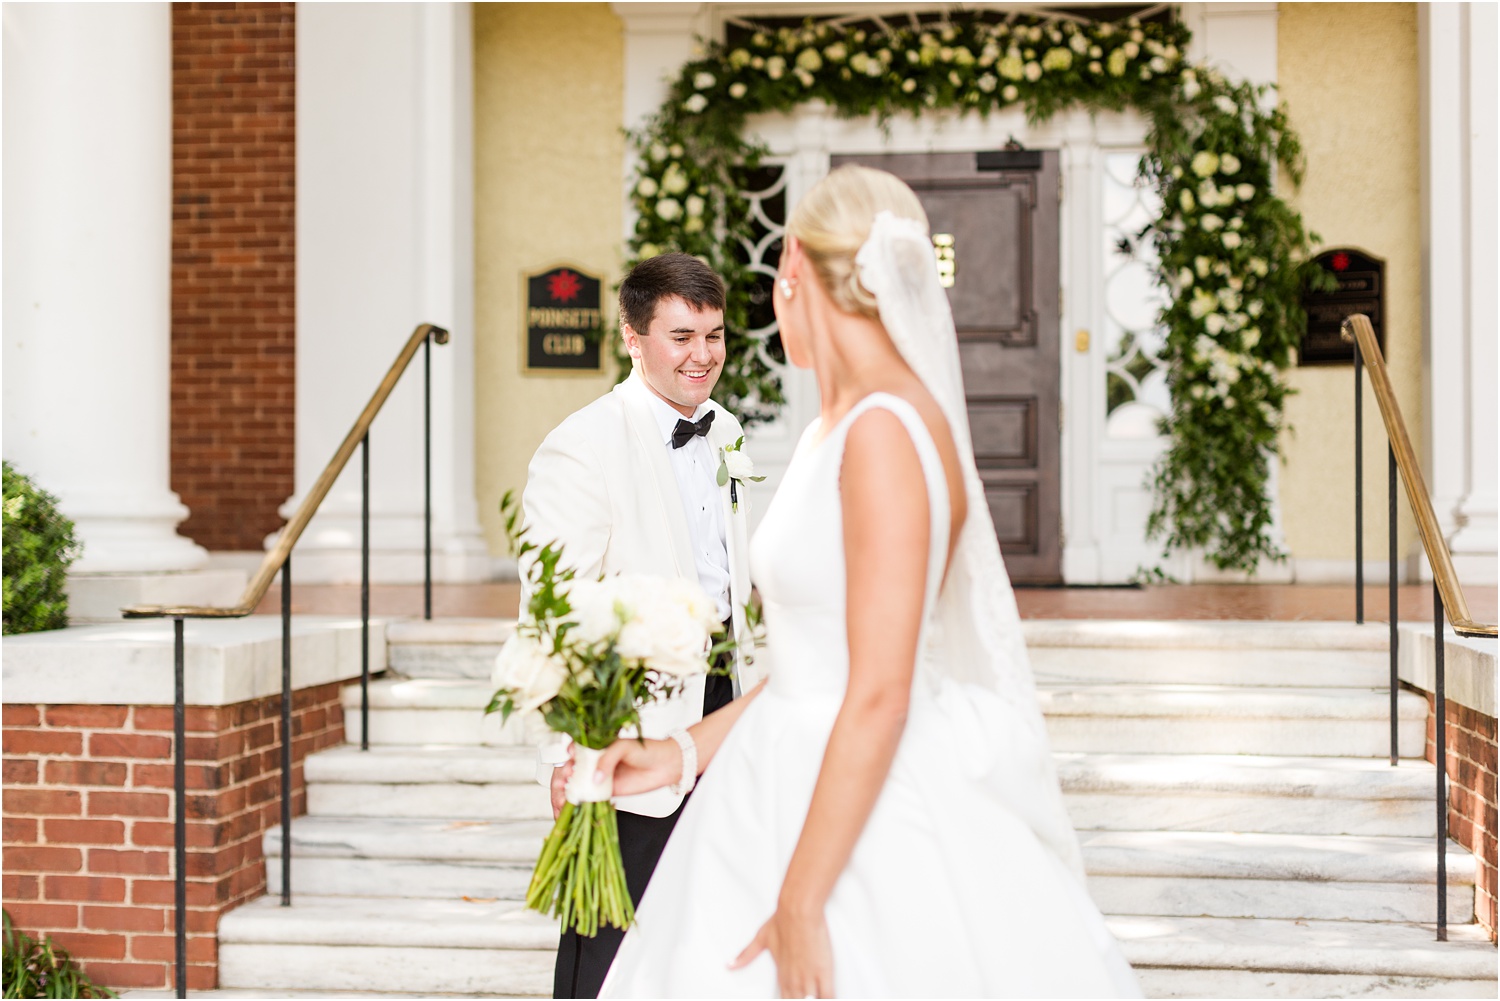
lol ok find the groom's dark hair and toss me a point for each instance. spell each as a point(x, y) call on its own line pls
point(662, 277)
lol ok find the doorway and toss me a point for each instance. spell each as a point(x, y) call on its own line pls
point(995, 217)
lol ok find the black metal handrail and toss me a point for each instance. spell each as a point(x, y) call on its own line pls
point(1447, 592)
point(279, 560)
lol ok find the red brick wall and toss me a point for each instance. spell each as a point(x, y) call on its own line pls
point(1470, 746)
point(89, 824)
point(233, 284)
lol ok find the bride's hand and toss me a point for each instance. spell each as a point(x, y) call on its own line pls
point(640, 765)
point(800, 949)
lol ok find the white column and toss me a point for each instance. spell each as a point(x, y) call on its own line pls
point(1459, 262)
point(87, 246)
point(384, 242)
point(1475, 543)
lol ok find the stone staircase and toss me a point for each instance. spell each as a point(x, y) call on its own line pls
point(1241, 826)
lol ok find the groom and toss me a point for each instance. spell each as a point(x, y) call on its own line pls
point(629, 484)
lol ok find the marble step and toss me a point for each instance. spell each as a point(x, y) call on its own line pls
point(418, 947)
point(1164, 983)
point(385, 857)
point(1323, 877)
point(446, 648)
point(1251, 654)
point(1223, 719)
point(414, 711)
point(1366, 949)
point(463, 782)
point(1230, 792)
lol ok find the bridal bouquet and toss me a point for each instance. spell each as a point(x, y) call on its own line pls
point(586, 655)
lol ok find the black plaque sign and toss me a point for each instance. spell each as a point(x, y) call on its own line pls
point(1361, 289)
point(564, 325)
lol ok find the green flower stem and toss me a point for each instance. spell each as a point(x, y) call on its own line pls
point(580, 876)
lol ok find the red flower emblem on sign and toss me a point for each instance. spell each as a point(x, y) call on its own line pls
point(564, 286)
point(1340, 261)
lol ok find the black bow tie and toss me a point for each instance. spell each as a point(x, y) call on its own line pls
point(685, 431)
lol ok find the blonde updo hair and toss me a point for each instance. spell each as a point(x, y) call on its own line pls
point(833, 220)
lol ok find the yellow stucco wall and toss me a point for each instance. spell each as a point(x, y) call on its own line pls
point(548, 102)
point(1348, 73)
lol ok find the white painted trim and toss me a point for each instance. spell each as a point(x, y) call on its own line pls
point(1461, 213)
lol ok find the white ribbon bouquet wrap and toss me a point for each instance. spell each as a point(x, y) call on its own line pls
point(585, 656)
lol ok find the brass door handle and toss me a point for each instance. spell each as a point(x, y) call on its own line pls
point(947, 258)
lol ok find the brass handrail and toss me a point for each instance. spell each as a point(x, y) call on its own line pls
point(256, 589)
point(1357, 328)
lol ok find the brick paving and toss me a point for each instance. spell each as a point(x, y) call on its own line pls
point(1254, 602)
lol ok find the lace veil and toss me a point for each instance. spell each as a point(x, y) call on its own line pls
point(975, 636)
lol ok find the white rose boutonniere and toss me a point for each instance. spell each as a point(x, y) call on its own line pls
point(735, 468)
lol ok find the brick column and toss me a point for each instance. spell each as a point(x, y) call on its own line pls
point(233, 267)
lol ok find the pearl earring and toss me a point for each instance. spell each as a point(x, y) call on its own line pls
point(786, 288)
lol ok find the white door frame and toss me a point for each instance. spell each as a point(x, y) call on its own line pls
point(1104, 491)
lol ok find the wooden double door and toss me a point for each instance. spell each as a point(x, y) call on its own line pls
point(994, 216)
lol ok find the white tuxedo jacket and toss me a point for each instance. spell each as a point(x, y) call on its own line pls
point(602, 485)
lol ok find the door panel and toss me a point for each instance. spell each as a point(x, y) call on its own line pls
point(1004, 232)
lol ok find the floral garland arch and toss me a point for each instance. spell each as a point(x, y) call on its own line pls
point(1233, 257)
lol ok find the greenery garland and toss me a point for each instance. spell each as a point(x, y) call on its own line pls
point(1232, 256)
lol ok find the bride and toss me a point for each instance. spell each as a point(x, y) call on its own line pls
point(880, 817)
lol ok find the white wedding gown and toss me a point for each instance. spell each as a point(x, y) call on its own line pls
point(949, 891)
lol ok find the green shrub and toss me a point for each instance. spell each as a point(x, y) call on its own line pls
point(40, 969)
point(38, 547)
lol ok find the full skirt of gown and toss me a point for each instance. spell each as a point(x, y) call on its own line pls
point(949, 890)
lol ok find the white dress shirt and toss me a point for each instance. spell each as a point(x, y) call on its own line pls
point(696, 469)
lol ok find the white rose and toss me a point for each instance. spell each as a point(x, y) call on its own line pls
point(1186, 200)
point(1158, 64)
point(592, 609)
point(1205, 163)
point(648, 251)
point(658, 151)
point(1131, 50)
point(859, 62)
point(1230, 163)
point(810, 60)
point(1211, 222)
point(1251, 337)
point(1226, 105)
point(1010, 93)
point(908, 85)
point(736, 90)
point(1096, 67)
point(1078, 43)
point(532, 677)
point(669, 208)
point(1033, 72)
point(693, 224)
point(703, 81)
point(695, 205)
point(1185, 278)
point(836, 52)
point(775, 67)
point(667, 625)
point(673, 180)
point(1213, 323)
point(739, 464)
point(1202, 264)
point(987, 83)
point(695, 104)
point(1245, 191)
point(646, 188)
point(1231, 240)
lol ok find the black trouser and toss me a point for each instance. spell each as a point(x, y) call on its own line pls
point(583, 961)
